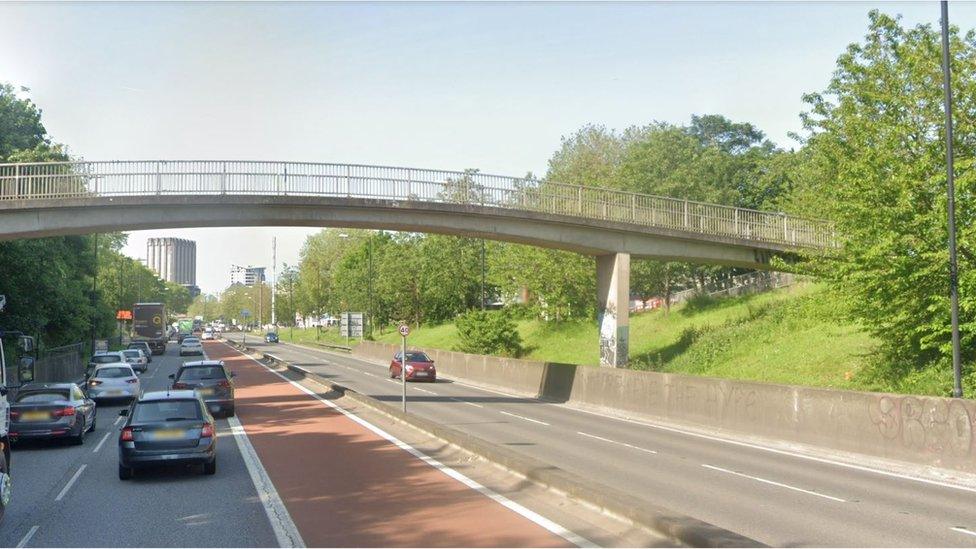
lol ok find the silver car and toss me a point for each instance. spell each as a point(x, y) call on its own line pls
point(113, 381)
point(191, 346)
point(137, 359)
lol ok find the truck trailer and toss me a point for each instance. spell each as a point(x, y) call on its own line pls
point(149, 325)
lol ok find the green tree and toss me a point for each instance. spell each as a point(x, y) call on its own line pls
point(876, 165)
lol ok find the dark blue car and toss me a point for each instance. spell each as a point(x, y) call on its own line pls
point(167, 427)
point(271, 337)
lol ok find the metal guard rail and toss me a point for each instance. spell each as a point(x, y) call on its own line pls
point(58, 180)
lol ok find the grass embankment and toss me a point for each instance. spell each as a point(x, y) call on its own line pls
point(797, 335)
point(790, 336)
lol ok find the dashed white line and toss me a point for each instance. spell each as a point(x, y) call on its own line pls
point(773, 483)
point(26, 539)
point(631, 446)
point(423, 390)
point(760, 447)
point(962, 530)
point(101, 442)
point(118, 420)
point(525, 418)
point(369, 374)
point(71, 482)
point(466, 402)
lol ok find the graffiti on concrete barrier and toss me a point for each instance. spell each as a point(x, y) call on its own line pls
point(935, 425)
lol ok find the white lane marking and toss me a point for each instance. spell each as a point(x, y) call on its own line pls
point(423, 390)
point(26, 539)
point(368, 374)
point(774, 483)
point(631, 446)
point(523, 417)
point(71, 482)
point(101, 442)
point(962, 530)
point(542, 521)
point(862, 468)
point(466, 402)
point(690, 433)
point(118, 420)
point(286, 533)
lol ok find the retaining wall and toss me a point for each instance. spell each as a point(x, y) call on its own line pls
point(931, 431)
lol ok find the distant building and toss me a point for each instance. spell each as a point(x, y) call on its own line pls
point(174, 260)
point(248, 276)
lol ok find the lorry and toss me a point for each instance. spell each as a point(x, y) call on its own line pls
point(25, 373)
point(149, 325)
point(184, 329)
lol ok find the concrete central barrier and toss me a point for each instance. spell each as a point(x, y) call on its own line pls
point(930, 431)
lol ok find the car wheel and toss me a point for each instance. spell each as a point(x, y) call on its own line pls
point(4, 483)
point(79, 439)
point(230, 412)
point(125, 473)
point(210, 468)
point(392, 374)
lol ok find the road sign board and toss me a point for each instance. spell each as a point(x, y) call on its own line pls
point(123, 314)
point(245, 313)
point(351, 324)
point(404, 330)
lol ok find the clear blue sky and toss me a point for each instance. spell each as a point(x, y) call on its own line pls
point(447, 85)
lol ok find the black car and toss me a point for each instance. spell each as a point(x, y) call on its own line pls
point(167, 427)
point(51, 410)
point(211, 380)
point(142, 346)
point(271, 337)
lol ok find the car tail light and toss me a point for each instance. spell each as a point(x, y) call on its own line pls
point(132, 380)
point(207, 430)
point(179, 385)
point(64, 412)
point(223, 383)
point(94, 382)
point(127, 434)
point(14, 414)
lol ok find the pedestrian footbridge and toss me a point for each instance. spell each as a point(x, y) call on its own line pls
point(62, 198)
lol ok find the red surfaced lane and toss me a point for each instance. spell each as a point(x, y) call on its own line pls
point(346, 486)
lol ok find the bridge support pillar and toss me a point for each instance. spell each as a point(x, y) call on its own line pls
point(613, 308)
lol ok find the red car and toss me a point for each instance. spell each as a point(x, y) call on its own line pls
point(419, 367)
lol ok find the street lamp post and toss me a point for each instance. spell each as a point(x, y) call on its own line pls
point(951, 206)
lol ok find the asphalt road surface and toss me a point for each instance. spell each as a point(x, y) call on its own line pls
point(291, 470)
point(777, 498)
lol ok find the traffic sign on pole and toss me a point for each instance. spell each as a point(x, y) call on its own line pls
point(404, 332)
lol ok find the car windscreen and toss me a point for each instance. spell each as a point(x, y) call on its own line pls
point(272, 334)
point(113, 372)
point(40, 397)
point(131, 353)
point(202, 372)
point(105, 359)
point(417, 357)
point(166, 410)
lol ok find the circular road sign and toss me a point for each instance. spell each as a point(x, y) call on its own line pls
point(404, 330)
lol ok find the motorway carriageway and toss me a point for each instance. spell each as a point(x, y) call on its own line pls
point(779, 498)
point(291, 470)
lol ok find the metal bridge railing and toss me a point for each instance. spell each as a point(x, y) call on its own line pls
point(59, 180)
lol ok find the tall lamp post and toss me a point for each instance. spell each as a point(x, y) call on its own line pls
point(951, 205)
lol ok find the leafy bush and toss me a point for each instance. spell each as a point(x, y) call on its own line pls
point(488, 333)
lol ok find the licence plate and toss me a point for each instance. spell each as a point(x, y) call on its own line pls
point(36, 416)
point(168, 434)
point(420, 374)
point(113, 393)
point(205, 392)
